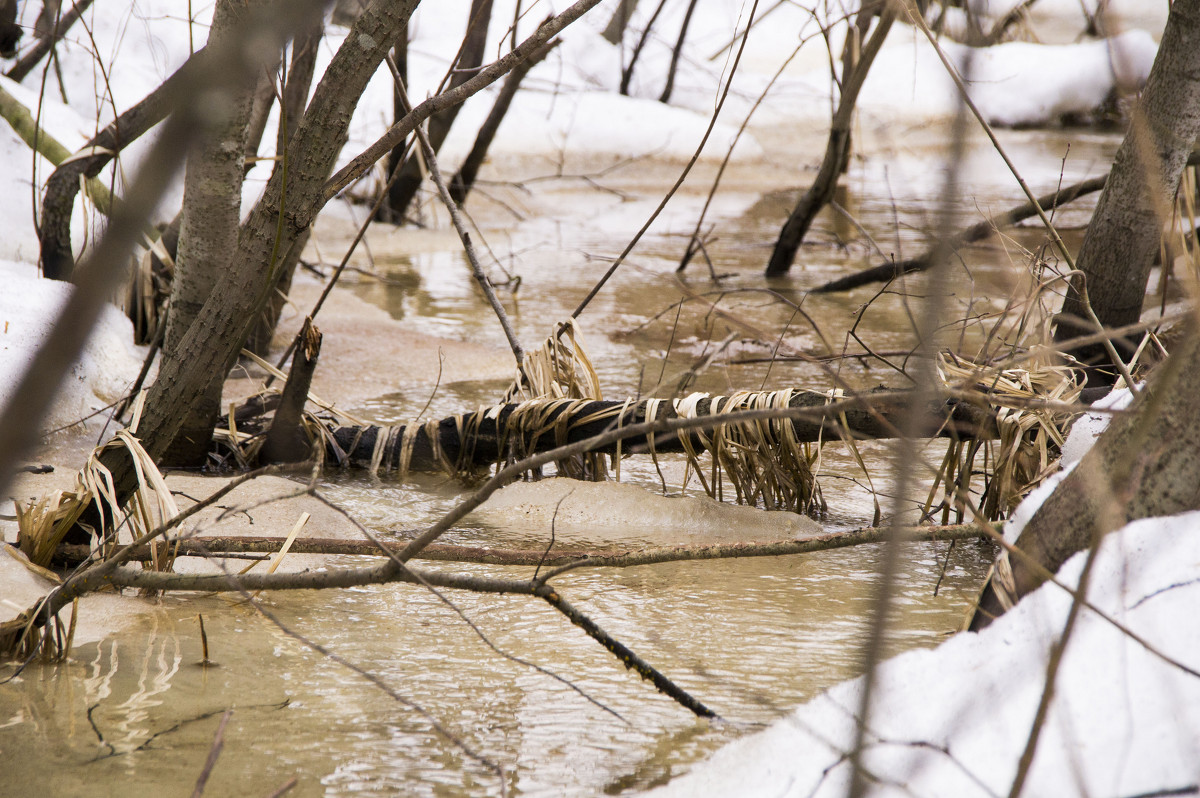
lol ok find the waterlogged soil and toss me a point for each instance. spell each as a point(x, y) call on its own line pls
point(460, 682)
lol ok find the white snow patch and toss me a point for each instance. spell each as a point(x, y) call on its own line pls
point(1087, 427)
point(29, 306)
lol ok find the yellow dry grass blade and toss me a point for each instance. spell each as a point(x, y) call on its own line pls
point(762, 461)
point(43, 522)
point(1030, 432)
point(559, 370)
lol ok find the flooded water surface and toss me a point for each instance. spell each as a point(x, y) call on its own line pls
point(136, 714)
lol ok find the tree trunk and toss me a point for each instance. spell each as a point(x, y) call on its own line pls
point(396, 156)
point(837, 152)
point(468, 62)
point(295, 97)
point(665, 97)
point(627, 72)
point(208, 238)
point(1123, 237)
point(286, 441)
point(1147, 463)
point(49, 32)
point(614, 31)
point(464, 179)
point(224, 321)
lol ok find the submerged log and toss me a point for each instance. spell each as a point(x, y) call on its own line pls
point(511, 431)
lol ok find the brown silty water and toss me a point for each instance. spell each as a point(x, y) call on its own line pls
point(133, 713)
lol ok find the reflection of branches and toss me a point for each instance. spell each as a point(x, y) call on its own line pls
point(380, 547)
point(142, 746)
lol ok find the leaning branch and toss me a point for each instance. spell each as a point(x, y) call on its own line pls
point(976, 232)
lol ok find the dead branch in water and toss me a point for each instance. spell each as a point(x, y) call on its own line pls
point(976, 232)
point(592, 557)
point(485, 437)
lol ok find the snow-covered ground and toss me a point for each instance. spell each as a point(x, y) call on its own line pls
point(105, 370)
point(954, 721)
point(570, 102)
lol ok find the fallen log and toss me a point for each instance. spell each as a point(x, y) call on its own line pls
point(473, 440)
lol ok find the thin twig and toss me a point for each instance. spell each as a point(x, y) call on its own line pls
point(215, 751)
point(682, 176)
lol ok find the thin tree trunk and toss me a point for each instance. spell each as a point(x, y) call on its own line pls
point(47, 38)
point(464, 179)
point(396, 157)
point(466, 65)
point(1123, 237)
point(208, 236)
point(837, 152)
point(614, 31)
point(295, 97)
point(665, 97)
point(286, 441)
point(627, 72)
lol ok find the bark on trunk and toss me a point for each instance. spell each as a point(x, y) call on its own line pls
point(286, 441)
point(224, 321)
point(396, 157)
point(295, 96)
point(208, 238)
point(837, 152)
point(1122, 239)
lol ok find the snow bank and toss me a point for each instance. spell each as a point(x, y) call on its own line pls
point(107, 367)
point(953, 721)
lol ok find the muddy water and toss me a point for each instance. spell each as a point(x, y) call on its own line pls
point(135, 714)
